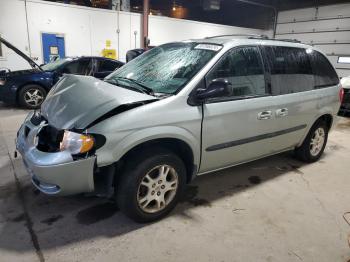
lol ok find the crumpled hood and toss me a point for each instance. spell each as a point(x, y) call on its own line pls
point(77, 101)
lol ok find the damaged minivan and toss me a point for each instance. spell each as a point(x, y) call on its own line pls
point(177, 111)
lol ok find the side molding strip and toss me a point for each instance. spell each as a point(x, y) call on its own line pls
point(254, 138)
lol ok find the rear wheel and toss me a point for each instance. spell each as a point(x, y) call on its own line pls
point(314, 144)
point(31, 96)
point(151, 184)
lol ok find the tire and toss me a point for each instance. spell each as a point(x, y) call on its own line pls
point(306, 151)
point(31, 96)
point(130, 194)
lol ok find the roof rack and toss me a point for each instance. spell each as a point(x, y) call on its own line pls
point(256, 36)
point(288, 40)
point(246, 35)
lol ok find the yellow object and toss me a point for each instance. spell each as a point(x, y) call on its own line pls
point(108, 43)
point(109, 53)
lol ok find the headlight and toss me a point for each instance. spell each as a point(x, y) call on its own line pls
point(2, 82)
point(76, 143)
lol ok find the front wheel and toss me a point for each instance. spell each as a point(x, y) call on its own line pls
point(31, 96)
point(151, 184)
point(314, 144)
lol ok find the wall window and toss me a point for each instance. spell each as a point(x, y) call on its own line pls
point(344, 59)
point(243, 68)
point(290, 69)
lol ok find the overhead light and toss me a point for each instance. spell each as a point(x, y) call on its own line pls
point(174, 8)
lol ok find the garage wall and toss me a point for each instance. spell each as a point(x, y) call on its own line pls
point(12, 27)
point(164, 29)
point(326, 27)
point(86, 29)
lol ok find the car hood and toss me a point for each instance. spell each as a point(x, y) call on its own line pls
point(77, 101)
point(23, 72)
point(20, 53)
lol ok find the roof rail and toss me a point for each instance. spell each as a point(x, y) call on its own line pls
point(246, 35)
point(256, 36)
point(288, 40)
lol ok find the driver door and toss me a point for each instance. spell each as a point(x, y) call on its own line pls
point(239, 127)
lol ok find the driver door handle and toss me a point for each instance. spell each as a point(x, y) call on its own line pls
point(264, 115)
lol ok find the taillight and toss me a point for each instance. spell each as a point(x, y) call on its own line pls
point(341, 95)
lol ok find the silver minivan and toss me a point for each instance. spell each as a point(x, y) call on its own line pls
point(177, 111)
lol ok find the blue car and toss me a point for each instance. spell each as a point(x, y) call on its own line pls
point(28, 88)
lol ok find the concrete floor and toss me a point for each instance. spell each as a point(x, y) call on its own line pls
point(275, 209)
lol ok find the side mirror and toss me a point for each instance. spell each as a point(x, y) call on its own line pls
point(219, 87)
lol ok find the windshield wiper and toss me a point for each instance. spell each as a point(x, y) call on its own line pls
point(144, 88)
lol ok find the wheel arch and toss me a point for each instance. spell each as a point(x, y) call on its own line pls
point(328, 118)
point(182, 149)
point(174, 138)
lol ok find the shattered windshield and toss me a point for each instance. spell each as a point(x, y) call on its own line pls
point(167, 68)
point(56, 64)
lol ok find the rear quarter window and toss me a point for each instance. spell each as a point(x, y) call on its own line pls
point(323, 71)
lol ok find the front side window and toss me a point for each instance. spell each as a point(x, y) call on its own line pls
point(243, 68)
point(165, 69)
point(290, 69)
point(79, 67)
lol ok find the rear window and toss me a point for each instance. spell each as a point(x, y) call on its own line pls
point(323, 71)
point(107, 66)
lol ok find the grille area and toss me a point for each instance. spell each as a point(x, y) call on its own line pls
point(49, 139)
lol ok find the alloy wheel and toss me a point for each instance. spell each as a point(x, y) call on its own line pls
point(317, 141)
point(33, 97)
point(157, 188)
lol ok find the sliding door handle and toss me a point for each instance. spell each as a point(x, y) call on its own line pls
point(264, 115)
point(282, 112)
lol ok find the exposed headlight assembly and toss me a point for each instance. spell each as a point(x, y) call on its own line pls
point(76, 143)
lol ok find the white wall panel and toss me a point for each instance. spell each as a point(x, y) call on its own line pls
point(103, 26)
point(164, 29)
point(86, 29)
point(334, 10)
point(334, 61)
point(13, 29)
point(73, 23)
point(296, 15)
point(322, 25)
point(328, 37)
point(334, 49)
point(328, 29)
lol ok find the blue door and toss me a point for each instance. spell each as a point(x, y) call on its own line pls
point(53, 47)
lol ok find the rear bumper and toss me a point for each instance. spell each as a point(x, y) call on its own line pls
point(54, 173)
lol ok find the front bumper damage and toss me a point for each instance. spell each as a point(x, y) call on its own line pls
point(53, 173)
